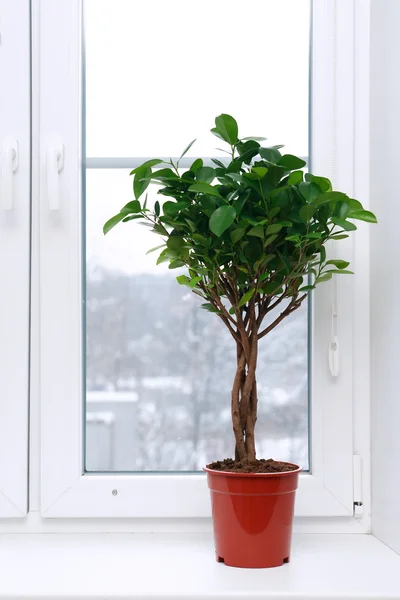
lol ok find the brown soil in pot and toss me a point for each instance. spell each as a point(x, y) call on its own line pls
point(259, 466)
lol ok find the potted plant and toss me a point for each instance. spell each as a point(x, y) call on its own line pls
point(251, 233)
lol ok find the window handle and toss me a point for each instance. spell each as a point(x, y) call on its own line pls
point(54, 166)
point(9, 165)
point(334, 357)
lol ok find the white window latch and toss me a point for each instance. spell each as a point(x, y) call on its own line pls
point(334, 356)
point(9, 166)
point(54, 166)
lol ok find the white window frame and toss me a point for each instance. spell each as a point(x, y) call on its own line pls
point(327, 491)
point(14, 255)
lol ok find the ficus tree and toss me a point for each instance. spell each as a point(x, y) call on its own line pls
point(251, 232)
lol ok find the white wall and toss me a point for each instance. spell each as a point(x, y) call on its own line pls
point(385, 270)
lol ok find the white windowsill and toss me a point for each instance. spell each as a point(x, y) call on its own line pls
point(182, 566)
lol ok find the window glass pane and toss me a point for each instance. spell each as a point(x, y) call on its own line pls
point(159, 72)
point(160, 370)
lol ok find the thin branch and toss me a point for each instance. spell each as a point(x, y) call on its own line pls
point(219, 303)
point(270, 307)
point(294, 305)
point(229, 290)
point(234, 333)
point(233, 287)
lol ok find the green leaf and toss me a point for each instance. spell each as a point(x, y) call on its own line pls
point(342, 209)
point(171, 208)
point(272, 288)
point(157, 208)
point(247, 151)
point(149, 163)
point(186, 149)
point(307, 288)
point(205, 174)
point(354, 204)
point(208, 306)
point(204, 188)
point(241, 201)
point(340, 264)
point(195, 281)
point(253, 138)
point(339, 236)
point(227, 129)
point(322, 182)
point(207, 204)
point(306, 212)
point(158, 228)
point(309, 190)
point(112, 222)
point(329, 197)
point(215, 132)
point(253, 250)
point(274, 211)
point(257, 231)
point(155, 248)
point(269, 240)
point(234, 166)
point(131, 207)
point(235, 176)
point(340, 272)
point(218, 163)
point(237, 234)
point(133, 217)
point(164, 174)
point(200, 239)
point(322, 253)
point(175, 242)
point(271, 155)
point(246, 297)
point(346, 225)
point(222, 219)
point(196, 165)
point(288, 161)
point(166, 255)
point(141, 181)
point(260, 171)
point(363, 215)
point(275, 228)
point(175, 264)
point(268, 258)
point(183, 280)
point(295, 177)
point(324, 277)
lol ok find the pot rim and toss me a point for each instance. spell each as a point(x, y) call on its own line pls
point(232, 474)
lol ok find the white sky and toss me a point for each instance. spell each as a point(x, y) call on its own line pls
point(157, 74)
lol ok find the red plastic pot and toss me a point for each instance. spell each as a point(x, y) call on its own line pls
point(252, 516)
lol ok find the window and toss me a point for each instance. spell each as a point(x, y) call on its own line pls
point(158, 370)
point(110, 365)
point(14, 257)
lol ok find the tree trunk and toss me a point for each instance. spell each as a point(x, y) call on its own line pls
point(244, 402)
